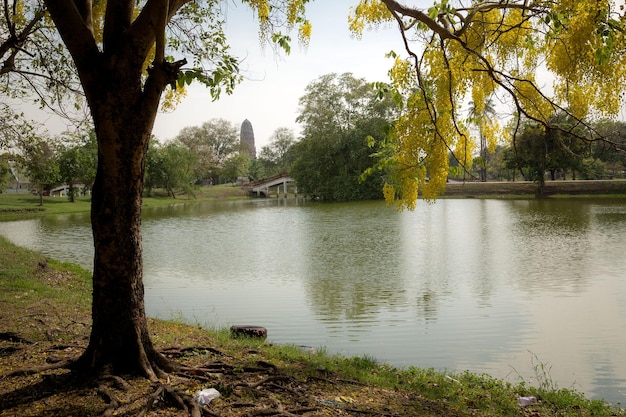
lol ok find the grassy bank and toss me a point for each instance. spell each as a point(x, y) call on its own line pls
point(14, 205)
point(45, 318)
point(24, 204)
point(526, 189)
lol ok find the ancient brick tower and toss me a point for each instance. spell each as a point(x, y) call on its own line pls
point(247, 137)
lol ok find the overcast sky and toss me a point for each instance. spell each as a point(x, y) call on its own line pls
point(269, 95)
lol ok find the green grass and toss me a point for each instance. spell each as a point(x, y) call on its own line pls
point(26, 275)
point(14, 205)
point(20, 205)
point(525, 189)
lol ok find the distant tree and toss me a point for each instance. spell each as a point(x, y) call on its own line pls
point(529, 152)
point(608, 150)
point(69, 169)
point(275, 156)
point(330, 167)
point(565, 148)
point(14, 130)
point(40, 158)
point(179, 168)
point(5, 172)
point(211, 143)
point(78, 162)
point(561, 152)
point(497, 166)
point(339, 113)
point(255, 170)
point(558, 148)
point(154, 172)
point(236, 165)
point(592, 169)
point(337, 102)
point(170, 166)
point(482, 116)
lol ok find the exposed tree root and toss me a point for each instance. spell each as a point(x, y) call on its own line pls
point(264, 381)
point(37, 369)
point(259, 389)
point(110, 398)
point(177, 352)
point(13, 337)
point(280, 410)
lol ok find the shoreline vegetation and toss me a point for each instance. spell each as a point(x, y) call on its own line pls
point(21, 204)
point(45, 320)
point(521, 189)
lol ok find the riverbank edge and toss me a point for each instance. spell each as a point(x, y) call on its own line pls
point(529, 189)
point(45, 306)
point(15, 206)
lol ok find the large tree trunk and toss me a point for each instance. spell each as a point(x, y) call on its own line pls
point(120, 341)
point(123, 101)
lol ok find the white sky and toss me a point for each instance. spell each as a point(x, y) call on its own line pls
point(269, 95)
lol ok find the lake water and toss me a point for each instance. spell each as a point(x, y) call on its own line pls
point(494, 286)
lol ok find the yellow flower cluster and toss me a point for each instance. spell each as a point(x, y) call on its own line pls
point(493, 133)
point(533, 102)
point(294, 11)
point(262, 9)
point(304, 33)
point(587, 57)
point(577, 47)
point(173, 97)
point(368, 13)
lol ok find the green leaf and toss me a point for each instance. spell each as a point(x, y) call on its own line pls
point(283, 41)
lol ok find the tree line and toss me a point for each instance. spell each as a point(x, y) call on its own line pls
point(344, 122)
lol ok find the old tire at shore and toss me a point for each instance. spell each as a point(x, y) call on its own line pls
point(249, 331)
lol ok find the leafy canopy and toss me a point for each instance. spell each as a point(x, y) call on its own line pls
point(338, 112)
point(34, 61)
point(540, 57)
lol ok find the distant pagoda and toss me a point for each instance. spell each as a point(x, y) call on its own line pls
point(247, 137)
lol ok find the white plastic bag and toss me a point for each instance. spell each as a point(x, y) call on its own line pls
point(526, 401)
point(206, 396)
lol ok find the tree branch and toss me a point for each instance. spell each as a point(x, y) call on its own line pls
point(419, 15)
point(489, 6)
point(75, 31)
point(150, 25)
point(117, 18)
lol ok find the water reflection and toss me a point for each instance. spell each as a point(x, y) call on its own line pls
point(484, 285)
point(352, 261)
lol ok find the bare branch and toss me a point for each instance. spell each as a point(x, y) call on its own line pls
point(397, 8)
point(75, 30)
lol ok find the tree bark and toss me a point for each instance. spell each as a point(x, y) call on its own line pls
point(123, 108)
point(120, 341)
